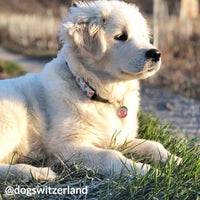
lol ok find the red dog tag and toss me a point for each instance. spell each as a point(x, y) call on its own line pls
point(123, 111)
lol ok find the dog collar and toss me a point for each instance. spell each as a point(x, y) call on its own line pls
point(91, 93)
point(87, 90)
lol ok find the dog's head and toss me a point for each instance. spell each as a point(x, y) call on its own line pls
point(111, 37)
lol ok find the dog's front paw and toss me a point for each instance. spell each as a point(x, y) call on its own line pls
point(176, 159)
point(43, 174)
point(28, 173)
point(141, 169)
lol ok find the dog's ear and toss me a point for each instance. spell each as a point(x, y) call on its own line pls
point(89, 37)
point(85, 29)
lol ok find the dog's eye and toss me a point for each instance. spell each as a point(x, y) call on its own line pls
point(122, 37)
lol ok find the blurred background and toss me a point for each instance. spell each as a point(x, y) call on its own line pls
point(30, 28)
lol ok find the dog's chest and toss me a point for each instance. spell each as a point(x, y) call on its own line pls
point(106, 122)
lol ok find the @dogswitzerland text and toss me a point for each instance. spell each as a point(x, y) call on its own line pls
point(10, 190)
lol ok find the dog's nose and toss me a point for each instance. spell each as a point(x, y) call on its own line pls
point(153, 54)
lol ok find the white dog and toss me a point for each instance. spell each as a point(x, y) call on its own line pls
point(82, 97)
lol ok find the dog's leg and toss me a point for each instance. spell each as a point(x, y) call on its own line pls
point(150, 149)
point(13, 127)
point(13, 133)
point(106, 160)
point(25, 172)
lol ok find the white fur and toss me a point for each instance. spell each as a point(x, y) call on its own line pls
point(46, 115)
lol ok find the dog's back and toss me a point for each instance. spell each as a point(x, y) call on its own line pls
point(20, 115)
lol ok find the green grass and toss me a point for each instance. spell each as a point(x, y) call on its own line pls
point(42, 55)
point(11, 69)
point(168, 181)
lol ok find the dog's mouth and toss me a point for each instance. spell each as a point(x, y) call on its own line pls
point(145, 72)
point(149, 69)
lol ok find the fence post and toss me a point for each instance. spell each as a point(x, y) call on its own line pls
point(189, 9)
point(156, 22)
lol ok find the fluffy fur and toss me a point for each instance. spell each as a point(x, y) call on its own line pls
point(46, 115)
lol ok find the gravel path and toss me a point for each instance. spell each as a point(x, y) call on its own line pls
point(183, 112)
